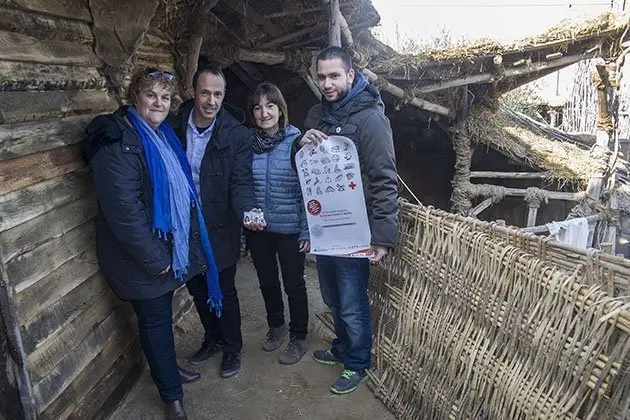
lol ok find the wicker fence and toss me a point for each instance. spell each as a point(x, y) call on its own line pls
point(476, 321)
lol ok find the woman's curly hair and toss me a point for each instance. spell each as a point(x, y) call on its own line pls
point(148, 77)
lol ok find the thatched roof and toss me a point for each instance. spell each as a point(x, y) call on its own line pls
point(519, 137)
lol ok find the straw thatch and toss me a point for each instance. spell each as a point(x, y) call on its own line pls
point(469, 325)
point(514, 136)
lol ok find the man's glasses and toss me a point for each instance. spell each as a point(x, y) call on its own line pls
point(158, 73)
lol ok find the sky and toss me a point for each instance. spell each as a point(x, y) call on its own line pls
point(501, 20)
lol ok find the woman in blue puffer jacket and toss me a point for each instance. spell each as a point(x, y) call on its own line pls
point(278, 193)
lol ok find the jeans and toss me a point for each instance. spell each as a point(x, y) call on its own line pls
point(264, 246)
point(343, 283)
point(155, 326)
point(225, 330)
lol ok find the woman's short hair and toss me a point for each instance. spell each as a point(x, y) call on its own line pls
point(273, 95)
point(148, 77)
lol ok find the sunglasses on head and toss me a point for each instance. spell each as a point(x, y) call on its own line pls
point(158, 73)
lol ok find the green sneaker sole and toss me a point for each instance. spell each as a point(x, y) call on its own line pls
point(347, 391)
point(326, 362)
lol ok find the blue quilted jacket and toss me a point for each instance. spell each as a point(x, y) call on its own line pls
point(277, 188)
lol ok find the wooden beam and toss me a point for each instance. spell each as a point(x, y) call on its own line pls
point(245, 9)
point(25, 204)
point(334, 36)
point(18, 47)
point(510, 175)
point(44, 27)
point(227, 29)
point(243, 76)
point(18, 173)
point(21, 76)
point(17, 107)
point(532, 213)
point(288, 37)
point(544, 228)
point(399, 93)
point(481, 207)
point(477, 190)
point(77, 10)
point(373, 21)
point(270, 58)
point(313, 86)
point(38, 136)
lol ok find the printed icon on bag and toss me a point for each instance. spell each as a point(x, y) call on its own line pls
point(335, 158)
point(330, 189)
point(349, 176)
point(341, 187)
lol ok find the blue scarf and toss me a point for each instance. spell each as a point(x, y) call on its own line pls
point(173, 195)
point(359, 85)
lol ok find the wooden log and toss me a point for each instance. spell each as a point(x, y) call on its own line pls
point(157, 42)
point(313, 86)
point(160, 59)
point(288, 37)
point(110, 389)
point(246, 10)
point(481, 207)
point(50, 225)
point(44, 27)
point(270, 58)
point(531, 216)
point(25, 106)
point(334, 37)
point(77, 10)
point(28, 268)
point(79, 358)
point(544, 228)
point(31, 169)
point(43, 359)
point(18, 47)
point(399, 93)
point(52, 319)
point(122, 355)
point(510, 175)
point(23, 205)
point(25, 138)
point(373, 21)
point(60, 282)
point(192, 60)
point(516, 192)
point(17, 76)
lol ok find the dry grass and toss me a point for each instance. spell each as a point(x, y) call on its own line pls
point(564, 161)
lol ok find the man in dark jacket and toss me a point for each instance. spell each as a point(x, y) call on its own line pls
point(219, 151)
point(351, 107)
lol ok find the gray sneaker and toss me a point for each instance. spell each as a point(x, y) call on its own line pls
point(347, 382)
point(294, 351)
point(274, 337)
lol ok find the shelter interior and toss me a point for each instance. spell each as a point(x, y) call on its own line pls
point(68, 346)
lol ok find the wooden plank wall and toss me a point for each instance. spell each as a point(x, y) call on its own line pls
point(79, 342)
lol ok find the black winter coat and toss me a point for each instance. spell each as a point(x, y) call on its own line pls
point(363, 121)
point(130, 254)
point(225, 179)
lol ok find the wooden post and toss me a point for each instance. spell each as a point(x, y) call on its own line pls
point(335, 28)
point(460, 199)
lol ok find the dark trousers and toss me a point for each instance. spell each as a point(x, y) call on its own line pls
point(155, 327)
point(264, 247)
point(344, 284)
point(224, 330)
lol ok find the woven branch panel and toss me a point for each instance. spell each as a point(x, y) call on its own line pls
point(470, 326)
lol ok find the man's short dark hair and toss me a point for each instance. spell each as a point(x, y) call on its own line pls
point(333, 52)
point(207, 68)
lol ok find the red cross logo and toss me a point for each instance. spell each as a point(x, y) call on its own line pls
point(352, 185)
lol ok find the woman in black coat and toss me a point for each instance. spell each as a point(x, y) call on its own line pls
point(150, 238)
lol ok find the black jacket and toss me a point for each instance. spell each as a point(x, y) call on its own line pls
point(130, 254)
point(225, 179)
point(363, 121)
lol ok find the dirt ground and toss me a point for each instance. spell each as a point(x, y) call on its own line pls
point(263, 389)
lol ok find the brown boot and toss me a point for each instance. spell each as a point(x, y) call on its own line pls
point(175, 411)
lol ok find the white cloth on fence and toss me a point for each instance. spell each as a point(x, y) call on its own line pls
point(573, 232)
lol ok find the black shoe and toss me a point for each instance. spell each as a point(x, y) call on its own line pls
point(175, 411)
point(204, 353)
point(230, 365)
point(186, 376)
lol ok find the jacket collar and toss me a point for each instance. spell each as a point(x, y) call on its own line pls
point(227, 118)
